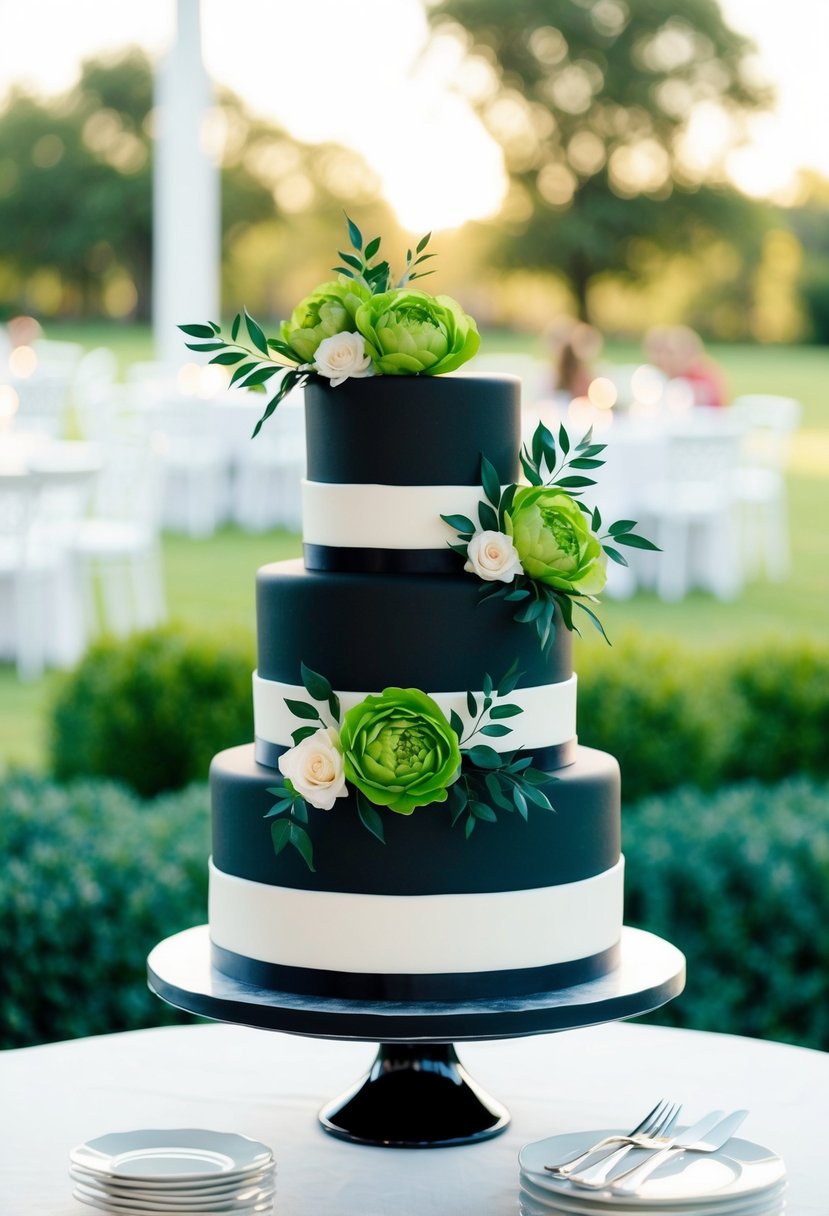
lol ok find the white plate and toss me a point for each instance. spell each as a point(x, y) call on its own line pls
point(739, 1168)
point(162, 1203)
point(527, 1206)
point(540, 1200)
point(171, 1155)
point(106, 1205)
point(177, 1193)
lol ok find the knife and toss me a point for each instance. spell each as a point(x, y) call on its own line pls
point(691, 1141)
point(596, 1177)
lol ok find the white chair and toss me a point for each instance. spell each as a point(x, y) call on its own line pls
point(93, 382)
point(44, 400)
point(689, 509)
point(269, 471)
point(117, 549)
point(769, 423)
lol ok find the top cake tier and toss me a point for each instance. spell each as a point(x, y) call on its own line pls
point(387, 456)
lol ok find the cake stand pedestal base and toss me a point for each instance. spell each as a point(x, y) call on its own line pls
point(416, 1094)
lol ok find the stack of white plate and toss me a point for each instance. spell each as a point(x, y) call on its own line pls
point(174, 1170)
point(740, 1179)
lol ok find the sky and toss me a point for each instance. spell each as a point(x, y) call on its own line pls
point(358, 73)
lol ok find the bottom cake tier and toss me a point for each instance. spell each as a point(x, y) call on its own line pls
point(521, 906)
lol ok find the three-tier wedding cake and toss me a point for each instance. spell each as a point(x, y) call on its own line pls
point(415, 819)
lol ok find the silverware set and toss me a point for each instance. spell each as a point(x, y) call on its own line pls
point(658, 1137)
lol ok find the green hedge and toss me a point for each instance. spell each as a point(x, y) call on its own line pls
point(92, 879)
point(740, 883)
point(674, 716)
point(153, 710)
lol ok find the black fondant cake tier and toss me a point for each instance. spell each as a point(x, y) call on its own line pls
point(370, 631)
point(423, 854)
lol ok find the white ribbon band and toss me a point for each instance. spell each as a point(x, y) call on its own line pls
point(548, 717)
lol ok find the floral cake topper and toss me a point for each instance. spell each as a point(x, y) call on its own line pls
point(360, 324)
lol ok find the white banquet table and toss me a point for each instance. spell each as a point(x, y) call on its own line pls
point(270, 1086)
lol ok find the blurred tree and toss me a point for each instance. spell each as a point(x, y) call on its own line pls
point(76, 185)
point(607, 112)
point(809, 221)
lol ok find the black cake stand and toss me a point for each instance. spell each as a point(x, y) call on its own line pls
point(417, 1093)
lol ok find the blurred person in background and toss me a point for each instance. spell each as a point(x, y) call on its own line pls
point(678, 352)
point(574, 347)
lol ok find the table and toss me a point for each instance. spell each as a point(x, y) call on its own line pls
point(270, 1086)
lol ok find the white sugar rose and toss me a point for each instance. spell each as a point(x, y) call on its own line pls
point(315, 769)
point(492, 556)
point(341, 356)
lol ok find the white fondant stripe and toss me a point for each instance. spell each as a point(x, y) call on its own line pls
point(384, 517)
point(416, 934)
point(549, 715)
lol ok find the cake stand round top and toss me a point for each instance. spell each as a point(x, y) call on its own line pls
point(651, 972)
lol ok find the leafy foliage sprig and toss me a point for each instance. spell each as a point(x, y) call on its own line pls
point(549, 464)
point(487, 778)
point(378, 277)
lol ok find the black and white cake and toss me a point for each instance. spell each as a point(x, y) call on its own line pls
point(415, 820)
point(384, 898)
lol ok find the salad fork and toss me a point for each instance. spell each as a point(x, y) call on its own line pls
point(654, 1123)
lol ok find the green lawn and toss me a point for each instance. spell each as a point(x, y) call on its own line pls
point(211, 583)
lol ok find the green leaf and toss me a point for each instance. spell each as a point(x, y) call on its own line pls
point(573, 482)
point(206, 347)
point(292, 378)
point(260, 376)
point(505, 711)
point(300, 810)
point(301, 709)
point(495, 792)
point(486, 686)
point(456, 723)
point(596, 519)
point(594, 619)
point(563, 440)
point(354, 234)
point(531, 612)
point(510, 678)
point(370, 817)
point(565, 605)
point(471, 705)
point(582, 462)
point(490, 481)
point(457, 799)
point(351, 261)
point(234, 329)
point(536, 796)
point(493, 591)
point(256, 335)
point(622, 525)
point(488, 517)
point(423, 242)
point(280, 834)
point(519, 800)
point(532, 475)
point(241, 371)
point(280, 808)
point(463, 549)
point(506, 506)
point(371, 248)
point(282, 348)
point(315, 685)
point(470, 826)
point(520, 593)
point(303, 732)
point(636, 542)
point(302, 843)
point(349, 274)
point(461, 523)
point(197, 331)
point(615, 555)
point(538, 445)
point(484, 756)
point(481, 811)
point(334, 707)
point(495, 731)
point(229, 357)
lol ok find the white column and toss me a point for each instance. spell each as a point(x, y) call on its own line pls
point(186, 200)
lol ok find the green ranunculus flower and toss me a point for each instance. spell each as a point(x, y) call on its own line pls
point(399, 750)
point(409, 332)
point(327, 311)
point(554, 542)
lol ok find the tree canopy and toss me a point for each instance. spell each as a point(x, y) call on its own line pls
point(596, 106)
point(76, 184)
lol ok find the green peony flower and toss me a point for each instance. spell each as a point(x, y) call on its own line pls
point(409, 332)
point(327, 311)
point(554, 542)
point(399, 750)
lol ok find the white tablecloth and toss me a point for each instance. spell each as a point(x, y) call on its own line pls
point(270, 1086)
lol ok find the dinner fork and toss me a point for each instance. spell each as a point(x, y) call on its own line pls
point(652, 1125)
